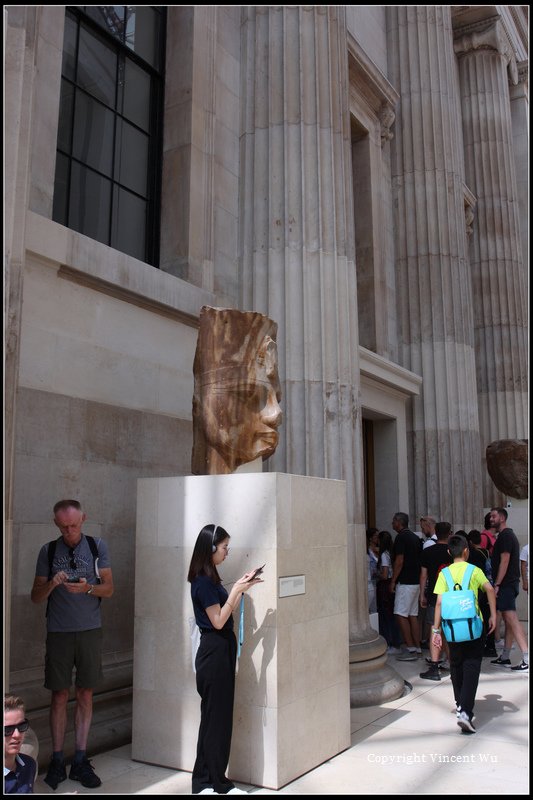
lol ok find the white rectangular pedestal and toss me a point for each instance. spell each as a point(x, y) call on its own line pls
point(292, 706)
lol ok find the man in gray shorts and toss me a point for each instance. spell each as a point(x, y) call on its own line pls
point(72, 580)
point(405, 582)
point(506, 573)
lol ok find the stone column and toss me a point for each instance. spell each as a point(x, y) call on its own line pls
point(298, 266)
point(19, 48)
point(486, 63)
point(435, 317)
point(520, 122)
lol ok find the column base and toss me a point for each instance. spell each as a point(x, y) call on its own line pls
point(372, 680)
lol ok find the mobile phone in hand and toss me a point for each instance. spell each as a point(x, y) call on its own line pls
point(256, 572)
point(73, 580)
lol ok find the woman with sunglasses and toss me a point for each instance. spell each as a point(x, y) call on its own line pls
point(215, 659)
point(19, 769)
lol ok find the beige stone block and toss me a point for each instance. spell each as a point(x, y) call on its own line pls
point(158, 743)
point(147, 512)
point(294, 659)
point(294, 723)
point(145, 638)
point(159, 577)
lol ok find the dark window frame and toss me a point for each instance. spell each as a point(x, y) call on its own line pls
point(152, 197)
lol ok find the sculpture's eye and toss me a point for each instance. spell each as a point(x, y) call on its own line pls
point(253, 396)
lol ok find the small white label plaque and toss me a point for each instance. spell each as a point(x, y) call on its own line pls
point(295, 584)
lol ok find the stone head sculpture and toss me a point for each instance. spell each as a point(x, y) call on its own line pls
point(235, 408)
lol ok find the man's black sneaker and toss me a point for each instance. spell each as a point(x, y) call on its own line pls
point(501, 662)
point(432, 674)
point(56, 773)
point(84, 773)
point(522, 667)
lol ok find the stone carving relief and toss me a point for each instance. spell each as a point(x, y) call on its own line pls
point(236, 411)
point(507, 465)
point(386, 119)
point(469, 219)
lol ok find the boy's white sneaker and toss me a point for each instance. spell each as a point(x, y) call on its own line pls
point(465, 723)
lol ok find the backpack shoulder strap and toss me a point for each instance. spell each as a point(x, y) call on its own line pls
point(51, 553)
point(92, 544)
point(448, 577)
point(468, 575)
point(94, 550)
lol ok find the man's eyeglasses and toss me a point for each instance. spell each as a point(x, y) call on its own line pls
point(21, 727)
point(73, 564)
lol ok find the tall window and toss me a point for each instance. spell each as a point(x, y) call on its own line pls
point(108, 169)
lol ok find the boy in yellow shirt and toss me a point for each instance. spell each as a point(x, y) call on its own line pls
point(465, 657)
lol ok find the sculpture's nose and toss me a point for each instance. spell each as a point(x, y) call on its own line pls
point(272, 413)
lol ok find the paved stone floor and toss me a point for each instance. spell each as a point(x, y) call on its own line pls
point(409, 746)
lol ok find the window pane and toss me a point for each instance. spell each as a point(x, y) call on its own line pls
point(93, 134)
point(59, 213)
point(129, 224)
point(109, 17)
point(97, 67)
point(90, 203)
point(131, 157)
point(69, 48)
point(134, 101)
point(142, 33)
point(66, 107)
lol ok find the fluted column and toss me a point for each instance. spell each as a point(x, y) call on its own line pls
point(297, 253)
point(486, 63)
point(435, 304)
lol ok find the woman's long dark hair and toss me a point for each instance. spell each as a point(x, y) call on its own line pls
point(385, 544)
point(202, 556)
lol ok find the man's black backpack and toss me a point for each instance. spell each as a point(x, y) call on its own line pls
point(52, 551)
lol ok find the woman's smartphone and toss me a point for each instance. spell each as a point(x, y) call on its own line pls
point(256, 572)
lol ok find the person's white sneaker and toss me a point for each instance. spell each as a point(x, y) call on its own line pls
point(236, 790)
point(207, 791)
point(465, 722)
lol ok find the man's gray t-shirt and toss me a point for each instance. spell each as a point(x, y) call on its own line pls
point(73, 612)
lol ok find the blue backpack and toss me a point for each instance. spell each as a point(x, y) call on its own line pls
point(460, 620)
point(488, 564)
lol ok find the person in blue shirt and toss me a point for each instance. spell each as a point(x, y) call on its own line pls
point(19, 769)
point(215, 659)
point(72, 587)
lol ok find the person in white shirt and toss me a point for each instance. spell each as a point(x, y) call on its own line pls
point(524, 567)
point(427, 525)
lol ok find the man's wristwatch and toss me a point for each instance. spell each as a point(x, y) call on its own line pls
point(90, 591)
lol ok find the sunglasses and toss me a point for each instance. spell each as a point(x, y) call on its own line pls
point(73, 564)
point(21, 727)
